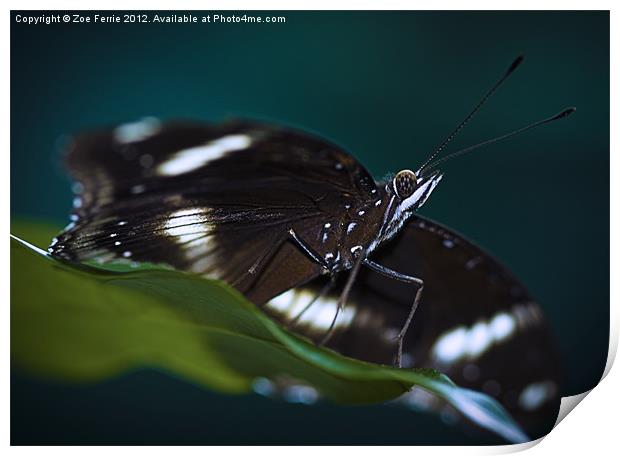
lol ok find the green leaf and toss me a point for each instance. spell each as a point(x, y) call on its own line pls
point(87, 323)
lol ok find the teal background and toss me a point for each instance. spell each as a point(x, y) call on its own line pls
point(387, 86)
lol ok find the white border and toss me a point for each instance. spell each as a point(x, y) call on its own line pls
point(591, 427)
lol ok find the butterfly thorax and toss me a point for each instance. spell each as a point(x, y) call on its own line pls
point(350, 229)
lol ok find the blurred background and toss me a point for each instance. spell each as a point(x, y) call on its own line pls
point(387, 86)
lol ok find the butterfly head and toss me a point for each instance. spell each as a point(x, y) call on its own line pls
point(408, 191)
point(412, 190)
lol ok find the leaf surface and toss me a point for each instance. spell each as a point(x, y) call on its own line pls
point(87, 323)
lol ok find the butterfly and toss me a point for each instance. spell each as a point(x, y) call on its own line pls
point(302, 229)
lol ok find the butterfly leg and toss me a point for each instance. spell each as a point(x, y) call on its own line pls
point(254, 272)
point(270, 253)
point(342, 300)
point(312, 254)
point(275, 246)
point(265, 257)
point(307, 249)
point(249, 277)
point(406, 279)
point(321, 294)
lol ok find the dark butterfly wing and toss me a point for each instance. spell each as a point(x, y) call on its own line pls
point(475, 321)
point(213, 199)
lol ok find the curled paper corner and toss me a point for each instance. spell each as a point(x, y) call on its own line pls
point(614, 330)
point(567, 404)
point(514, 448)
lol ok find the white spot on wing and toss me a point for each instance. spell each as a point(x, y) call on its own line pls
point(356, 248)
point(137, 189)
point(137, 131)
point(263, 386)
point(449, 347)
point(470, 343)
point(301, 394)
point(282, 302)
point(448, 243)
point(536, 394)
point(320, 314)
point(199, 247)
point(473, 262)
point(502, 326)
point(187, 225)
point(479, 340)
point(527, 315)
point(193, 158)
point(205, 266)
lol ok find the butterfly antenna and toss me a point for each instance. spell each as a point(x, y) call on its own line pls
point(515, 64)
point(560, 115)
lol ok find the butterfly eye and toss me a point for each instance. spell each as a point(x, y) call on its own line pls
point(404, 183)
